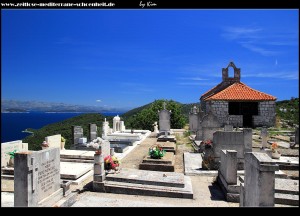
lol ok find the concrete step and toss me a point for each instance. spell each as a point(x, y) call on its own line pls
point(287, 186)
point(148, 178)
point(76, 160)
point(150, 190)
point(287, 199)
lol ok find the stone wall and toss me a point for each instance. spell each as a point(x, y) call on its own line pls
point(265, 117)
point(236, 120)
point(220, 109)
point(266, 114)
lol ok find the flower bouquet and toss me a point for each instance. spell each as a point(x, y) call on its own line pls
point(208, 144)
point(111, 162)
point(156, 152)
point(275, 153)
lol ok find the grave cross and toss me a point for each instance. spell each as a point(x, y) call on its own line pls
point(33, 168)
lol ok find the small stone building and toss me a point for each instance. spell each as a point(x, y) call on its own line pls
point(235, 103)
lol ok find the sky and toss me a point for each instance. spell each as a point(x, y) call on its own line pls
point(128, 58)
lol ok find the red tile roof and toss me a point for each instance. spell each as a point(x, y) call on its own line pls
point(239, 92)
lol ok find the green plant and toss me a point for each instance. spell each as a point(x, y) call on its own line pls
point(63, 139)
point(156, 152)
point(12, 153)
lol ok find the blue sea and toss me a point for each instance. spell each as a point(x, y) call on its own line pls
point(12, 124)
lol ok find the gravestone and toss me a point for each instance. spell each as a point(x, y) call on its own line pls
point(155, 129)
point(54, 141)
point(122, 126)
point(240, 141)
point(228, 128)
point(105, 128)
point(193, 119)
point(247, 139)
point(264, 135)
point(258, 189)
point(199, 134)
point(92, 131)
point(105, 148)
point(227, 175)
point(77, 132)
point(228, 168)
point(10, 147)
point(164, 120)
point(209, 125)
point(37, 178)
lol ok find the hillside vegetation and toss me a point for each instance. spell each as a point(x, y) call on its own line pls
point(143, 117)
point(287, 112)
point(64, 128)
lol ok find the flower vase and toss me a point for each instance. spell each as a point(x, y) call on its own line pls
point(45, 147)
point(11, 162)
point(62, 145)
point(276, 155)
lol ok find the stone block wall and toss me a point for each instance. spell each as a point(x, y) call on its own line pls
point(236, 120)
point(265, 117)
point(220, 109)
point(266, 114)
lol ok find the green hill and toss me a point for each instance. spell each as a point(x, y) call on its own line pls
point(143, 117)
point(287, 112)
point(64, 128)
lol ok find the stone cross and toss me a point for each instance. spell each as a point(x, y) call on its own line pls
point(33, 169)
point(164, 104)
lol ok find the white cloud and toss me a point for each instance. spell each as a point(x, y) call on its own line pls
point(259, 50)
point(293, 75)
point(192, 78)
point(98, 101)
point(232, 33)
point(260, 40)
point(197, 84)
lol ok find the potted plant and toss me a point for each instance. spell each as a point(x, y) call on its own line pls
point(45, 145)
point(275, 153)
point(62, 144)
point(11, 159)
point(156, 152)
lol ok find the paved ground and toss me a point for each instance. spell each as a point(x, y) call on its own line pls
point(206, 192)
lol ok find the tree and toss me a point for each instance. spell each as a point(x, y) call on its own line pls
point(145, 118)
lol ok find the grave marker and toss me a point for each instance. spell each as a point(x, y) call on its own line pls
point(264, 135)
point(10, 147)
point(77, 132)
point(37, 178)
point(92, 131)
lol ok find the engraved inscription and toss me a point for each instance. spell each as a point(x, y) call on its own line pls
point(46, 176)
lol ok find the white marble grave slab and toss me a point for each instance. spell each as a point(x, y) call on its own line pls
point(70, 170)
point(77, 154)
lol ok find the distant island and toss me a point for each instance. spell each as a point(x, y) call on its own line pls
point(15, 106)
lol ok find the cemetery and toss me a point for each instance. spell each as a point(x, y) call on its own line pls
point(232, 158)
